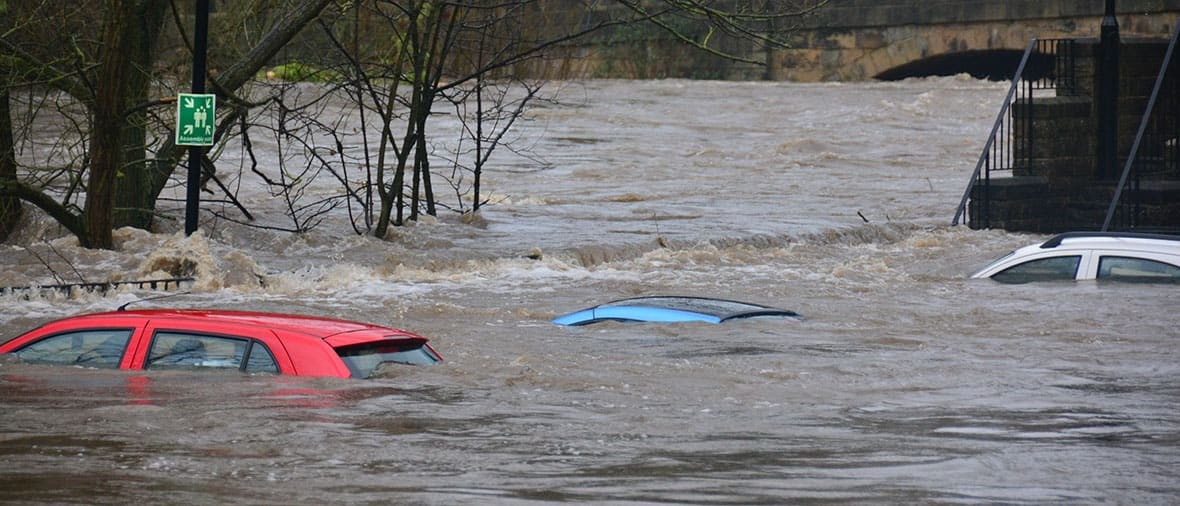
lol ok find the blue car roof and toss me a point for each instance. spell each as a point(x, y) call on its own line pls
point(671, 309)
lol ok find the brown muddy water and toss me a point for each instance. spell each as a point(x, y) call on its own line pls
point(905, 383)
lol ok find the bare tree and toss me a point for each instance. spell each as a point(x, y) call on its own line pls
point(472, 43)
point(396, 59)
point(497, 107)
point(109, 74)
point(479, 46)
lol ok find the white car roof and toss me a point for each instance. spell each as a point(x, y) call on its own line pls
point(1112, 240)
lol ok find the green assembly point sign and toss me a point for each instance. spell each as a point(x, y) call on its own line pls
point(194, 119)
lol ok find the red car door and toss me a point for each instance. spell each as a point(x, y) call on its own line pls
point(193, 343)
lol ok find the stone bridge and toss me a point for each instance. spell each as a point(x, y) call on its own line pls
point(853, 40)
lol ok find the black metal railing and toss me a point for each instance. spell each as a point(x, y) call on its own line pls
point(100, 286)
point(1155, 153)
point(1047, 66)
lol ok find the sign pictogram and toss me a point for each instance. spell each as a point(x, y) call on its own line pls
point(194, 119)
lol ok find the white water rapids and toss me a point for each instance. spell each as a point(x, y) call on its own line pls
point(905, 383)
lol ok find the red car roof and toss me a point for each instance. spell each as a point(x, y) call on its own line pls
point(313, 326)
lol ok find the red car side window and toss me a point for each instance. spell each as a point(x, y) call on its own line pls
point(260, 359)
point(102, 348)
point(182, 350)
point(179, 350)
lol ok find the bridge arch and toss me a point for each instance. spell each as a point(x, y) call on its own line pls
point(903, 51)
point(990, 64)
point(889, 39)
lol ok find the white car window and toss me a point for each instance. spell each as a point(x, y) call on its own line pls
point(1060, 268)
point(1116, 268)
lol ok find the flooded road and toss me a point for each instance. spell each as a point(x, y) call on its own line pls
point(905, 383)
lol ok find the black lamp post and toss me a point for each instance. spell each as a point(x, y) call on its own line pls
point(1108, 96)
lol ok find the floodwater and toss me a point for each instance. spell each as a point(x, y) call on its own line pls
point(905, 383)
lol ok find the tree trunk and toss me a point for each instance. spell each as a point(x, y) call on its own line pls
point(134, 203)
point(10, 210)
point(106, 136)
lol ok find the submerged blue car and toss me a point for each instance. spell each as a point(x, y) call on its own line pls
point(672, 309)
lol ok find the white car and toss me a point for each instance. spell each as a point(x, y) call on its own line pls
point(1112, 256)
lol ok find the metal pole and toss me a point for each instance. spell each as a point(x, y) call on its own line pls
point(192, 206)
point(1151, 102)
point(1108, 96)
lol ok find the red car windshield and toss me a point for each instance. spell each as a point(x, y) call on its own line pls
point(364, 359)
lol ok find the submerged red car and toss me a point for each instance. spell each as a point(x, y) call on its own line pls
point(251, 342)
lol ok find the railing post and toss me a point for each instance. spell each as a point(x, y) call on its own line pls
point(992, 144)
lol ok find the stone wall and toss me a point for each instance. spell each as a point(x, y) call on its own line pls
point(853, 40)
point(1055, 185)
